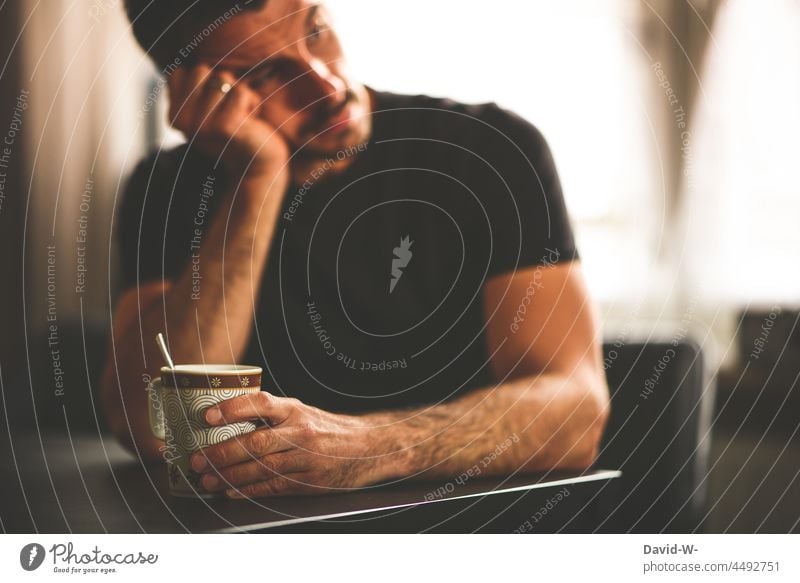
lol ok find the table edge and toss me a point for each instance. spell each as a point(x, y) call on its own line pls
point(593, 477)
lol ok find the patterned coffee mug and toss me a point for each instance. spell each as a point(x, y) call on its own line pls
point(178, 402)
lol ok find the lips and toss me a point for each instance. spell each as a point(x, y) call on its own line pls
point(340, 121)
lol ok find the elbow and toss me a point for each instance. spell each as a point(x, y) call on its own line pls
point(582, 419)
point(594, 419)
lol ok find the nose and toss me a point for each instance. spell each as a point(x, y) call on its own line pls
point(316, 85)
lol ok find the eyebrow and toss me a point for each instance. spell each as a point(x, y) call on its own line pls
point(251, 71)
point(312, 12)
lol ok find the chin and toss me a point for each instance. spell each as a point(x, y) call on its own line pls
point(329, 146)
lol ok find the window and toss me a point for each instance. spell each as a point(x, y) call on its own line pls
point(743, 192)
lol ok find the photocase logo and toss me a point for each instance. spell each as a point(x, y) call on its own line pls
point(31, 556)
point(402, 255)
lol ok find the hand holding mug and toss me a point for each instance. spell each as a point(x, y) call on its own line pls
point(177, 405)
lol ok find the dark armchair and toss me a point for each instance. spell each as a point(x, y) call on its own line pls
point(658, 435)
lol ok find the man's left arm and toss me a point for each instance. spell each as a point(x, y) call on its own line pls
point(547, 410)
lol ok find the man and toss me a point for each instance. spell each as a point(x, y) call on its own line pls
point(402, 267)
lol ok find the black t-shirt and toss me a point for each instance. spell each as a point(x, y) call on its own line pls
point(372, 293)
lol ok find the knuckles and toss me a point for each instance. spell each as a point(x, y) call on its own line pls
point(267, 467)
point(217, 456)
point(265, 399)
point(260, 441)
point(235, 408)
point(272, 466)
point(305, 431)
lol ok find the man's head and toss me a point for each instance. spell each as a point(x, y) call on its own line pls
point(285, 50)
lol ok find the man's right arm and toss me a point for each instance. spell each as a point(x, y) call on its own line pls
point(215, 325)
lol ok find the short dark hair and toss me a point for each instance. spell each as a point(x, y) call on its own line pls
point(168, 30)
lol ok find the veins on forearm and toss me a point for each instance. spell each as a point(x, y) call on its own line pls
point(448, 437)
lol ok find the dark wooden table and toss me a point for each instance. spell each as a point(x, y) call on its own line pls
point(83, 484)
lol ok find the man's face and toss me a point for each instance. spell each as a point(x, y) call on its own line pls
point(287, 52)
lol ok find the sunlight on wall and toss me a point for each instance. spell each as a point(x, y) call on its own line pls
point(744, 190)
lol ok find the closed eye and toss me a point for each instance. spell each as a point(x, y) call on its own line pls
point(316, 31)
point(261, 74)
point(317, 25)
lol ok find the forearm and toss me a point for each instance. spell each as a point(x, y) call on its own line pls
point(211, 324)
point(209, 318)
point(530, 424)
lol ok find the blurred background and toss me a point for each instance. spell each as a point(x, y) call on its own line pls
point(675, 126)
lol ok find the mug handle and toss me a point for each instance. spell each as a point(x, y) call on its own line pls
point(155, 406)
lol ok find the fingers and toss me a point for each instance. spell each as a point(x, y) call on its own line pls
point(196, 96)
point(228, 125)
point(261, 406)
point(234, 110)
point(243, 448)
point(265, 468)
point(184, 88)
point(209, 98)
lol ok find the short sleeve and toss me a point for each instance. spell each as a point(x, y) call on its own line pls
point(528, 214)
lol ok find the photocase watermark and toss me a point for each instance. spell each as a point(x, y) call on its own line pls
point(316, 174)
point(664, 83)
point(761, 342)
point(326, 342)
point(613, 353)
point(473, 472)
point(670, 353)
point(14, 127)
point(401, 259)
point(183, 54)
point(658, 370)
point(679, 116)
point(31, 556)
point(100, 8)
point(168, 451)
point(65, 559)
point(203, 210)
point(548, 507)
point(53, 340)
point(548, 261)
point(82, 236)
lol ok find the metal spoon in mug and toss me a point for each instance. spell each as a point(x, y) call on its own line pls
point(163, 346)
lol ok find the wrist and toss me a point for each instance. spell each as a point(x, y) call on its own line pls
point(257, 193)
point(269, 177)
